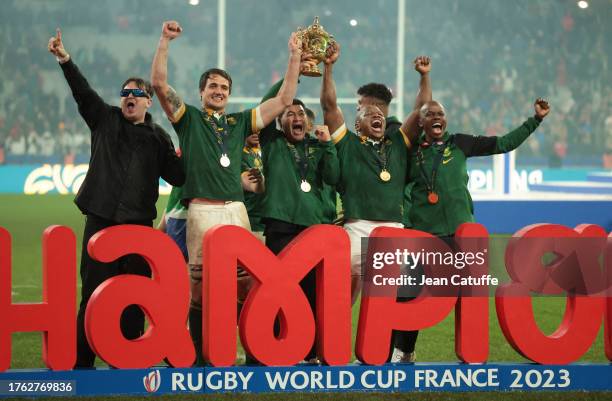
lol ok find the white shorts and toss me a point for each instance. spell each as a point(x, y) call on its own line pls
point(202, 217)
point(358, 230)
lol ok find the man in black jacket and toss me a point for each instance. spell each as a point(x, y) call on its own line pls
point(129, 153)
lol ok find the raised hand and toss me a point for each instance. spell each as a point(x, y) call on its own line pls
point(332, 53)
point(322, 133)
point(295, 44)
point(56, 46)
point(171, 30)
point(542, 108)
point(307, 63)
point(422, 64)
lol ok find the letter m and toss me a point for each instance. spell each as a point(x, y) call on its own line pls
point(276, 294)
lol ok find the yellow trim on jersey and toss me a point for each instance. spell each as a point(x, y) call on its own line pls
point(339, 133)
point(179, 113)
point(254, 129)
point(247, 149)
point(406, 140)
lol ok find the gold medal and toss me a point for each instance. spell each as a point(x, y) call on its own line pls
point(385, 175)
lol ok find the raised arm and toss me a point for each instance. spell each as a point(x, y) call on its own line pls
point(273, 91)
point(306, 62)
point(169, 100)
point(410, 128)
point(478, 145)
point(332, 115)
point(329, 163)
point(284, 98)
point(91, 106)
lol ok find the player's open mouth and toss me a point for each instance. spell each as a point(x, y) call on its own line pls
point(131, 105)
point(377, 124)
point(297, 128)
point(436, 128)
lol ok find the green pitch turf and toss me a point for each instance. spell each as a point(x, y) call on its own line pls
point(26, 217)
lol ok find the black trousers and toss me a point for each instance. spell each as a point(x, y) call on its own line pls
point(278, 235)
point(94, 273)
point(406, 340)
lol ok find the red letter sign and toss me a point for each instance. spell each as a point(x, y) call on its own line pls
point(276, 291)
point(164, 298)
point(583, 313)
point(379, 315)
point(55, 316)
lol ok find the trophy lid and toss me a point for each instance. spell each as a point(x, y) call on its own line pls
point(317, 28)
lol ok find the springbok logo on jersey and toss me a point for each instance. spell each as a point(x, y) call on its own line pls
point(152, 381)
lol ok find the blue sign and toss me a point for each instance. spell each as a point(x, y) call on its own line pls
point(454, 377)
point(49, 179)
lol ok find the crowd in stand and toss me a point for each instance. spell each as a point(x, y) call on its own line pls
point(491, 58)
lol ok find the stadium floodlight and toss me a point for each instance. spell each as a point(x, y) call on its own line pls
point(194, 2)
point(583, 4)
point(353, 22)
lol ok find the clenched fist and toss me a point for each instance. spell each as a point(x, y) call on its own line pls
point(542, 108)
point(171, 30)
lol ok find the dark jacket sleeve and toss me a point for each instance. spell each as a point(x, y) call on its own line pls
point(269, 131)
point(171, 166)
point(478, 145)
point(91, 106)
point(329, 163)
point(273, 91)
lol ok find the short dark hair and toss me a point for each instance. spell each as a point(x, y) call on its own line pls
point(311, 115)
point(215, 71)
point(142, 84)
point(295, 102)
point(376, 90)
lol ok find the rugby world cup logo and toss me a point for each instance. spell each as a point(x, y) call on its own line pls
point(152, 381)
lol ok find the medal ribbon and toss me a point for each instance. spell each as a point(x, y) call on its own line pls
point(430, 183)
point(381, 153)
point(221, 132)
point(256, 157)
point(302, 164)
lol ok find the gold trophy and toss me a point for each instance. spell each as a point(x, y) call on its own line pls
point(315, 41)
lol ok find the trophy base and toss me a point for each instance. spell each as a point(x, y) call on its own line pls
point(311, 72)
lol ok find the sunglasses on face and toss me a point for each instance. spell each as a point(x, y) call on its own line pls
point(134, 92)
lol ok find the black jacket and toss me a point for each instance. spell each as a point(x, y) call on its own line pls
point(126, 159)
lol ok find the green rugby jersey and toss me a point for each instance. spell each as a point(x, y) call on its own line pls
point(364, 194)
point(251, 158)
point(284, 200)
point(454, 205)
point(205, 177)
point(174, 207)
point(392, 124)
point(329, 205)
